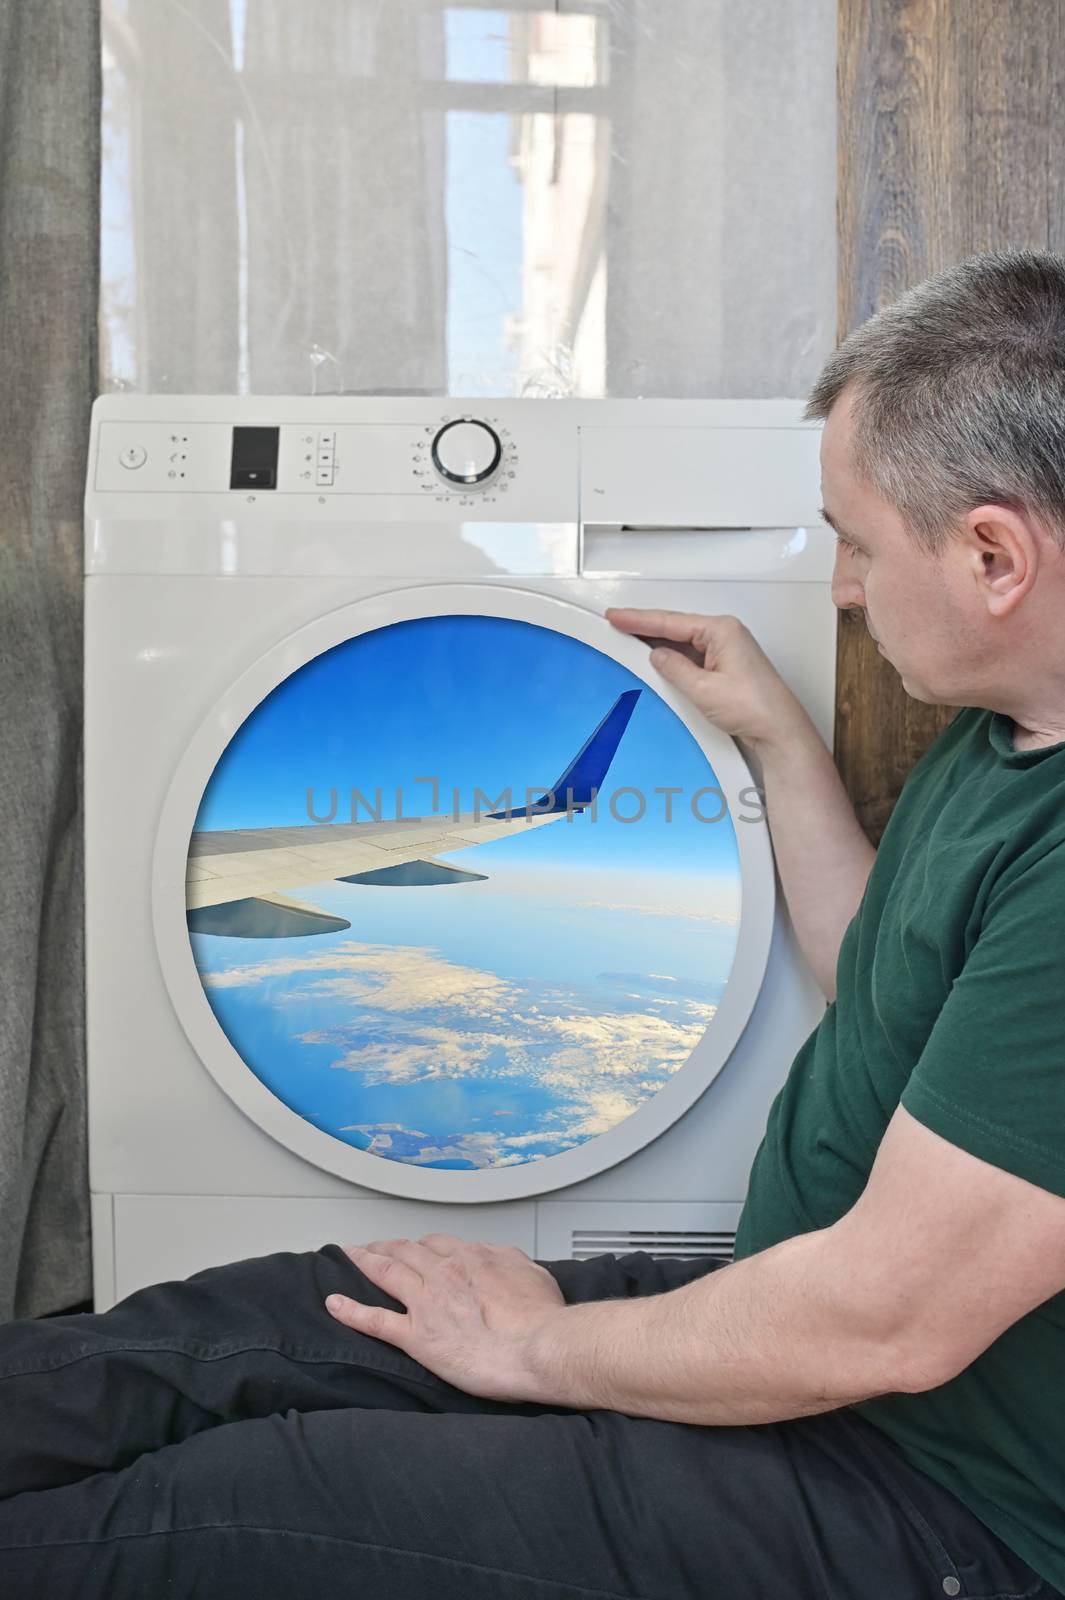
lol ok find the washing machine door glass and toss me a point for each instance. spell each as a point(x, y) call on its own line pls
point(463, 895)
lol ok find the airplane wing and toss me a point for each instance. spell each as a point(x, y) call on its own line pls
point(236, 877)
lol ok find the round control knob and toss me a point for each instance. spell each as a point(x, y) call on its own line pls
point(466, 451)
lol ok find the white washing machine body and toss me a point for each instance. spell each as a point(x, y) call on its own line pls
point(449, 561)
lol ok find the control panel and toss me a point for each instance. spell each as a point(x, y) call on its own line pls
point(279, 485)
point(471, 460)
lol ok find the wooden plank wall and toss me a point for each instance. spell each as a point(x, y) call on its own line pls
point(951, 141)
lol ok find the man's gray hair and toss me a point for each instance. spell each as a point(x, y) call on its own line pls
point(959, 394)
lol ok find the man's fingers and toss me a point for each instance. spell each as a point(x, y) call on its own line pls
point(376, 1321)
point(391, 1272)
point(442, 1244)
point(678, 670)
point(669, 624)
point(412, 1251)
point(695, 653)
point(648, 619)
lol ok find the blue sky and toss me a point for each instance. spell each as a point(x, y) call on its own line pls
point(476, 702)
point(483, 208)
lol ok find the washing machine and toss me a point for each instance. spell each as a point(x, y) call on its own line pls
point(415, 899)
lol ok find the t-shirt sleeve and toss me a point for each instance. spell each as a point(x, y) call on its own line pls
point(991, 1078)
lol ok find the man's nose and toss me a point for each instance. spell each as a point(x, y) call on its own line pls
point(847, 591)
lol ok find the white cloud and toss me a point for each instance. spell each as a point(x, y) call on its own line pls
point(411, 1016)
point(391, 977)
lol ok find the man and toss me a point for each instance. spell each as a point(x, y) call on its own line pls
point(870, 1401)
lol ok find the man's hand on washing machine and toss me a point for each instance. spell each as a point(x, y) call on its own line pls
point(822, 853)
point(472, 1310)
point(720, 666)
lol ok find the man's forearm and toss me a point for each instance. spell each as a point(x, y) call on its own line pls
point(762, 1340)
point(822, 853)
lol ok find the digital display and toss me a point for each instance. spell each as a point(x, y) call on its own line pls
point(254, 462)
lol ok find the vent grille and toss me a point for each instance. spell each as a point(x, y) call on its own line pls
point(678, 1243)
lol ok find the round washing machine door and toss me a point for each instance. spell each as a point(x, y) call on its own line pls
point(456, 902)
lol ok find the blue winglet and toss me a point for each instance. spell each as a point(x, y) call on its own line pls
point(582, 779)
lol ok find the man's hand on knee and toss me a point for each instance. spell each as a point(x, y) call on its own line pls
point(472, 1309)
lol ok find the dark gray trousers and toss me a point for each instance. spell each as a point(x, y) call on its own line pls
point(225, 1437)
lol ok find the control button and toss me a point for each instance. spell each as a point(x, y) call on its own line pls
point(466, 451)
point(133, 456)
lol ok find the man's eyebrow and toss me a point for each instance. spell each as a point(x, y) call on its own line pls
point(834, 525)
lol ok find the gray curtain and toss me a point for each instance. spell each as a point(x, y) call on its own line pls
point(49, 274)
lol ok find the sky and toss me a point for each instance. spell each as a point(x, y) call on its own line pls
point(483, 208)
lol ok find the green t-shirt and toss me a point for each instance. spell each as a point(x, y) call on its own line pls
point(950, 1000)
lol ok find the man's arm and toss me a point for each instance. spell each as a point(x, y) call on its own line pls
point(782, 1334)
point(940, 1255)
point(822, 853)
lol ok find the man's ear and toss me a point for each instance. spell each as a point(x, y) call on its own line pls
point(1001, 546)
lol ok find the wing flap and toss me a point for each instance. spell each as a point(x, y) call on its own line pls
point(264, 917)
point(414, 874)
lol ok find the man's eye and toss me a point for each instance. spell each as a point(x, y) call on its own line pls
point(845, 544)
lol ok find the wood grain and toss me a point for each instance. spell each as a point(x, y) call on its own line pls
point(951, 141)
